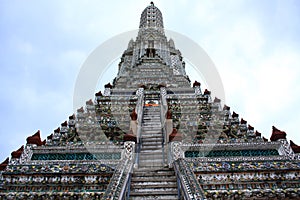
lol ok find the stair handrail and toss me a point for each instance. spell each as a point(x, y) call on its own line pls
point(125, 191)
point(188, 183)
point(118, 186)
point(139, 110)
point(163, 111)
point(112, 191)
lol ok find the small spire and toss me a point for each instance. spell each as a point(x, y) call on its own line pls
point(152, 3)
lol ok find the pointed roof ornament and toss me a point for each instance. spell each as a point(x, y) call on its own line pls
point(17, 153)
point(243, 121)
point(4, 164)
point(57, 130)
point(226, 107)
point(296, 148)
point(258, 134)
point(80, 110)
point(71, 117)
point(277, 134)
point(89, 102)
point(99, 94)
point(50, 137)
point(207, 92)
point(196, 84)
point(217, 100)
point(35, 139)
point(250, 128)
point(108, 85)
point(65, 123)
point(235, 115)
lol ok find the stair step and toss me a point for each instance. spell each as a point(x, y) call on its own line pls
point(152, 154)
point(149, 132)
point(153, 173)
point(150, 161)
point(147, 185)
point(152, 123)
point(151, 165)
point(154, 147)
point(149, 112)
point(144, 156)
point(151, 128)
point(155, 136)
point(151, 118)
point(153, 179)
point(145, 143)
point(152, 108)
point(148, 116)
point(146, 148)
point(151, 139)
point(156, 193)
point(151, 151)
point(151, 197)
point(158, 169)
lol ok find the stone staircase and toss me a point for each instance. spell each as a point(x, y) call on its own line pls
point(153, 179)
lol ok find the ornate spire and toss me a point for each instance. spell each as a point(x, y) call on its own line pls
point(151, 17)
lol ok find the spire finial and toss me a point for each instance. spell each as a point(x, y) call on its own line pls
point(152, 3)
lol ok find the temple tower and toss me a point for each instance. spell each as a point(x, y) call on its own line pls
point(153, 135)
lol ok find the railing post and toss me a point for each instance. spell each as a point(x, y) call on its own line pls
point(139, 110)
point(163, 111)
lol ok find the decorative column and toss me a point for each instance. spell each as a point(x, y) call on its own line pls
point(169, 124)
point(133, 122)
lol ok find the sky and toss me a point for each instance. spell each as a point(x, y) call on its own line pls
point(254, 44)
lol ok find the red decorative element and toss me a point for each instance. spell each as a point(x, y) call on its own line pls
point(57, 130)
point(196, 84)
point(4, 164)
point(99, 94)
point(35, 139)
point(130, 137)
point(251, 128)
point(64, 124)
point(175, 136)
point(161, 85)
point(226, 107)
point(133, 115)
point(80, 110)
point(277, 134)
point(258, 134)
point(108, 85)
point(216, 100)
point(207, 92)
point(143, 86)
point(235, 115)
point(90, 102)
point(17, 153)
point(169, 114)
point(243, 121)
point(50, 137)
point(265, 139)
point(295, 147)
